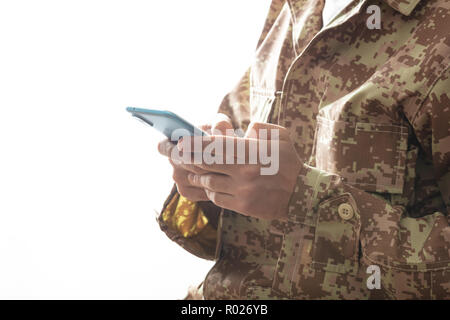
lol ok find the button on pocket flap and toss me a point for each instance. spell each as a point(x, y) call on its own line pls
point(369, 156)
point(336, 243)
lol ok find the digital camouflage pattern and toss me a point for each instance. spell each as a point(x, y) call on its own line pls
point(369, 112)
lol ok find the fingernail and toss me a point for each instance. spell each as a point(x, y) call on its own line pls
point(180, 144)
point(191, 177)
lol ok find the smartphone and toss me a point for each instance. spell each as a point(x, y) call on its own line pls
point(168, 123)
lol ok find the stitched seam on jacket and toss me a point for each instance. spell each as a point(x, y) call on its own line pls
point(416, 113)
point(409, 268)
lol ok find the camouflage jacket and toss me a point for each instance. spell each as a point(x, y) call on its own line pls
point(369, 111)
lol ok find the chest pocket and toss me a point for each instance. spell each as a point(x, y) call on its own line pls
point(369, 156)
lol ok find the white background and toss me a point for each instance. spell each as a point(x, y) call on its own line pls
point(80, 180)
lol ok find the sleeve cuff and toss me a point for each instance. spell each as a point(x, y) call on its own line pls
point(312, 187)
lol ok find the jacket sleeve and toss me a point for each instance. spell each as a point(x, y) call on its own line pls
point(395, 237)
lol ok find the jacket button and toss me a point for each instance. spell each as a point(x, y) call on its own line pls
point(345, 211)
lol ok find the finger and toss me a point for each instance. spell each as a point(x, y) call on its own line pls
point(267, 131)
point(222, 200)
point(229, 150)
point(223, 169)
point(180, 177)
point(206, 127)
point(187, 167)
point(165, 147)
point(192, 193)
point(222, 125)
point(213, 182)
point(185, 161)
point(234, 171)
point(180, 158)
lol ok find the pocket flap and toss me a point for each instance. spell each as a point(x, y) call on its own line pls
point(369, 156)
point(336, 243)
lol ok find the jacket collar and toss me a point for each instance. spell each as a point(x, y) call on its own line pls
point(403, 6)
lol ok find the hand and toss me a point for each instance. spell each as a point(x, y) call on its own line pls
point(243, 187)
point(181, 170)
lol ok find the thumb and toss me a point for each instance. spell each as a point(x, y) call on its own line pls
point(222, 125)
point(261, 130)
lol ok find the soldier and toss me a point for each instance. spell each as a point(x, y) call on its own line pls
point(364, 171)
